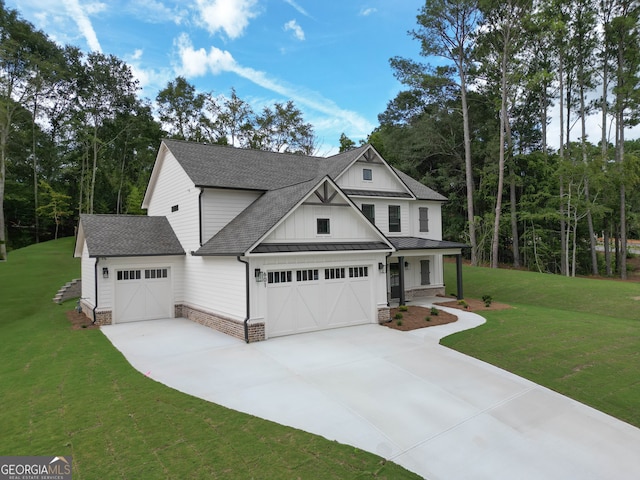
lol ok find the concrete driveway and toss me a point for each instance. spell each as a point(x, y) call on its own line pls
point(437, 412)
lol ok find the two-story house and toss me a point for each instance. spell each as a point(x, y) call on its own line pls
point(260, 244)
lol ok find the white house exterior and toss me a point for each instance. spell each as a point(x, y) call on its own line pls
point(259, 244)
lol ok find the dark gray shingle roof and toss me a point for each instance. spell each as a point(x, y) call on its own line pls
point(256, 220)
point(129, 236)
point(421, 192)
point(229, 167)
point(415, 243)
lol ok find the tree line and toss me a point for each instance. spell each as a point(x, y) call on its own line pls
point(473, 122)
point(75, 136)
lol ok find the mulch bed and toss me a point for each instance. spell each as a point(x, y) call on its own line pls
point(473, 305)
point(415, 317)
point(79, 321)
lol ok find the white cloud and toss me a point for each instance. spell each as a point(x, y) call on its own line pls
point(297, 7)
point(153, 11)
point(232, 16)
point(365, 12)
point(200, 62)
point(293, 26)
point(81, 17)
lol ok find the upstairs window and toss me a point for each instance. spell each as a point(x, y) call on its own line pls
point(323, 227)
point(394, 218)
point(423, 214)
point(369, 211)
point(367, 174)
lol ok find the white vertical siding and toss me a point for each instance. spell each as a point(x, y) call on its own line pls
point(435, 220)
point(175, 188)
point(412, 275)
point(301, 226)
point(382, 215)
point(220, 206)
point(382, 179)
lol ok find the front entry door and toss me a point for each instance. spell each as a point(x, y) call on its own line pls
point(394, 279)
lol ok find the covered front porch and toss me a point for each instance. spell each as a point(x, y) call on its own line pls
point(415, 269)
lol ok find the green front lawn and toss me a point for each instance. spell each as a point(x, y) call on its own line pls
point(70, 392)
point(578, 336)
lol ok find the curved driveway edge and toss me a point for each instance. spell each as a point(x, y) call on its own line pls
point(401, 395)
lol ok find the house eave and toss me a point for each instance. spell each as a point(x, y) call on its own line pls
point(128, 255)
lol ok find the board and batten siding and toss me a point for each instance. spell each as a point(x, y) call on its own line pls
point(412, 274)
point(216, 284)
point(382, 215)
point(345, 225)
point(220, 206)
point(176, 197)
point(435, 219)
point(381, 178)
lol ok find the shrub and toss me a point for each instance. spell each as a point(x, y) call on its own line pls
point(399, 323)
point(403, 308)
point(427, 318)
point(463, 304)
point(398, 316)
point(487, 299)
point(434, 311)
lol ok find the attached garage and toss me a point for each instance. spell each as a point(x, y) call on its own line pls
point(143, 294)
point(311, 299)
point(127, 267)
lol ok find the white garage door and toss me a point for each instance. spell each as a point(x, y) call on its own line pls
point(305, 300)
point(143, 294)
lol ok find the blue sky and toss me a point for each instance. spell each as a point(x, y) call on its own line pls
point(330, 57)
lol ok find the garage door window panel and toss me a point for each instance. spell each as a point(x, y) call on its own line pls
point(280, 277)
point(128, 275)
point(334, 273)
point(306, 275)
point(357, 272)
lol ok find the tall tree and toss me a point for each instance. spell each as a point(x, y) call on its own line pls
point(236, 120)
point(22, 48)
point(107, 89)
point(625, 37)
point(502, 39)
point(446, 29)
point(181, 110)
point(283, 129)
point(346, 143)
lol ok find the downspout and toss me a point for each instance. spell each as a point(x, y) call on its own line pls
point(401, 275)
point(95, 279)
point(246, 320)
point(386, 270)
point(200, 213)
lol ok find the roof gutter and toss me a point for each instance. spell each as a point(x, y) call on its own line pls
point(246, 320)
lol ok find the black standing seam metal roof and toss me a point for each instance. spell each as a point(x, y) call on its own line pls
point(415, 243)
point(129, 236)
point(318, 247)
